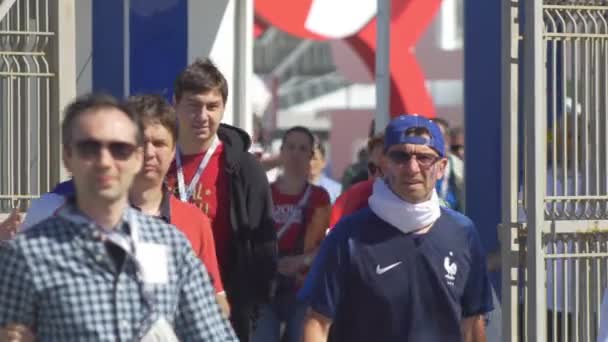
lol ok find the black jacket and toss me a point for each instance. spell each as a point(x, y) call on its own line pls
point(250, 279)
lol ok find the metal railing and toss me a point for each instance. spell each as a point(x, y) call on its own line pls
point(35, 79)
point(554, 236)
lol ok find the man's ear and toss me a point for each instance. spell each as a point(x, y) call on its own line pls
point(441, 165)
point(66, 156)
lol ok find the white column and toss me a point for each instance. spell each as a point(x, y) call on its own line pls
point(243, 65)
point(63, 89)
point(383, 77)
point(211, 34)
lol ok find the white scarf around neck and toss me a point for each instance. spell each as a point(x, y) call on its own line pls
point(405, 216)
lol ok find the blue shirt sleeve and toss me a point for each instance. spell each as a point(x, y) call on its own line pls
point(477, 297)
point(322, 289)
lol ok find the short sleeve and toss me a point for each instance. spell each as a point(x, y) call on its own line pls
point(321, 198)
point(208, 254)
point(322, 289)
point(318, 223)
point(477, 297)
point(17, 290)
point(337, 210)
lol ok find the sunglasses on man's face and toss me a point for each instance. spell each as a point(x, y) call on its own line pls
point(91, 148)
point(425, 160)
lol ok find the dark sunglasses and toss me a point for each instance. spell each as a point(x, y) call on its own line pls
point(425, 160)
point(90, 148)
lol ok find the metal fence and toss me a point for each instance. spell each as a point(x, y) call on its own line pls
point(35, 75)
point(554, 235)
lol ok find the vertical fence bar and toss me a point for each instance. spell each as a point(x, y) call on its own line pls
point(598, 287)
point(585, 111)
point(535, 124)
point(576, 292)
point(596, 120)
point(509, 153)
point(586, 299)
point(566, 289)
point(555, 265)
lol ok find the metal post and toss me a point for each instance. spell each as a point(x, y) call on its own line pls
point(535, 122)
point(63, 86)
point(243, 65)
point(509, 139)
point(383, 78)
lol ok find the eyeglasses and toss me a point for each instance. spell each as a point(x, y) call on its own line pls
point(425, 160)
point(91, 148)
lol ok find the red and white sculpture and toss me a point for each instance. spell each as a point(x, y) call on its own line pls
point(354, 22)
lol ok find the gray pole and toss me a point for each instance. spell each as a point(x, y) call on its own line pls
point(535, 122)
point(243, 65)
point(510, 167)
point(383, 80)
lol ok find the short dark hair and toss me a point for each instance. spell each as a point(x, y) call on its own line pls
point(416, 131)
point(375, 141)
point(153, 108)
point(92, 102)
point(456, 131)
point(200, 77)
point(299, 129)
point(444, 123)
point(419, 131)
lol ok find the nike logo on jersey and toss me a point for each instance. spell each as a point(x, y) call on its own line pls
point(381, 270)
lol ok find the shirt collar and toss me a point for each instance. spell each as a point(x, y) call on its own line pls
point(165, 205)
point(71, 212)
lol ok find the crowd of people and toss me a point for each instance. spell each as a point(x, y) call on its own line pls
point(169, 229)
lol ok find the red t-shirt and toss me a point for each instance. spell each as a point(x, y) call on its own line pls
point(282, 209)
point(197, 228)
point(211, 195)
point(350, 201)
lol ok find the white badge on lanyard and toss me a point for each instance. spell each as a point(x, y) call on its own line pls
point(151, 257)
point(186, 193)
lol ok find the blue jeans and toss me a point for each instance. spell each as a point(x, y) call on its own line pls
point(284, 309)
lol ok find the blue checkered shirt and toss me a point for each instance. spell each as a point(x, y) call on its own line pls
point(59, 279)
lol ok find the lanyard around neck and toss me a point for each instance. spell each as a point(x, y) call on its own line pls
point(186, 193)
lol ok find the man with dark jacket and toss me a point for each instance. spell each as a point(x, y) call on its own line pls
point(214, 171)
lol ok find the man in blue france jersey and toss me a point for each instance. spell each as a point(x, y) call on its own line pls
point(403, 269)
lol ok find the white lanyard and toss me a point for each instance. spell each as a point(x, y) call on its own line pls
point(185, 194)
point(292, 217)
point(130, 247)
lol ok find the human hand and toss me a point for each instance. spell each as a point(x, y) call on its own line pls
point(16, 333)
point(291, 265)
point(10, 226)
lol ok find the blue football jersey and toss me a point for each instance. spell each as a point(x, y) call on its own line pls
point(379, 284)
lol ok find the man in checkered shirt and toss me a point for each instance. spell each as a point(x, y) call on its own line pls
point(99, 270)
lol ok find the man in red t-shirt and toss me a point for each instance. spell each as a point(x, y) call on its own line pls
point(356, 196)
point(214, 171)
point(150, 196)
